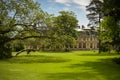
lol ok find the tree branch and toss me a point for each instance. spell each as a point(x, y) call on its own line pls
point(6, 31)
point(26, 25)
point(23, 38)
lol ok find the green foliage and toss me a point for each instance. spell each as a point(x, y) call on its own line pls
point(107, 32)
point(64, 29)
point(108, 29)
point(105, 47)
point(17, 46)
point(110, 24)
point(19, 20)
point(25, 19)
point(111, 8)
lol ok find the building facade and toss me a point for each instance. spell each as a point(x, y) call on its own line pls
point(87, 40)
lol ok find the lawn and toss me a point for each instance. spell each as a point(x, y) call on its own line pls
point(76, 65)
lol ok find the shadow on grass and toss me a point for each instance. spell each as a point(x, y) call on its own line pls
point(36, 59)
point(104, 69)
point(112, 54)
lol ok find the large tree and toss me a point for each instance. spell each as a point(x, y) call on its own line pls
point(19, 19)
point(63, 30)
point(111, 23)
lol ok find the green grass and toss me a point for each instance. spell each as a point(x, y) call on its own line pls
point(76, 65)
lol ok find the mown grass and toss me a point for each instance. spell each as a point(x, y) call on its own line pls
point(76, 65)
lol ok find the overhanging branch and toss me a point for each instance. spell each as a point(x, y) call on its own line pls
point(23, 38)
point(6, 31)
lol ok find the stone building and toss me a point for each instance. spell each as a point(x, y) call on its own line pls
point(87, 40)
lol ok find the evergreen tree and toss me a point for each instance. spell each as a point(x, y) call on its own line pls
point(95, 15)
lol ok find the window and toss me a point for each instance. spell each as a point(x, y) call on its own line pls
point(79, 45)
point(84, 39)
point(91, 45)
point(91, 39)
point(84, 45)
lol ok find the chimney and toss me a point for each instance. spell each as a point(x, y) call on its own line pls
point(83, 26)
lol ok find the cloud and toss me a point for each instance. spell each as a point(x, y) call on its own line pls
point(67, 5)
point(83, 8)
point(81, 2)
point(62, 1)
point(66, 9)
point(78, 2)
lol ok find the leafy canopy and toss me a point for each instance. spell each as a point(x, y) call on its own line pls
point(19, 19)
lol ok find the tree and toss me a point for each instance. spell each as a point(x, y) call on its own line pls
point(111, 23)
point(63, 30)
point(95, 12)
point(19, 19)
point(111, 8)
point(95, 15)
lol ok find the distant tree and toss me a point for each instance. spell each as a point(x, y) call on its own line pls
point(63, 30)
point(19, 19)
point(95, 15)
